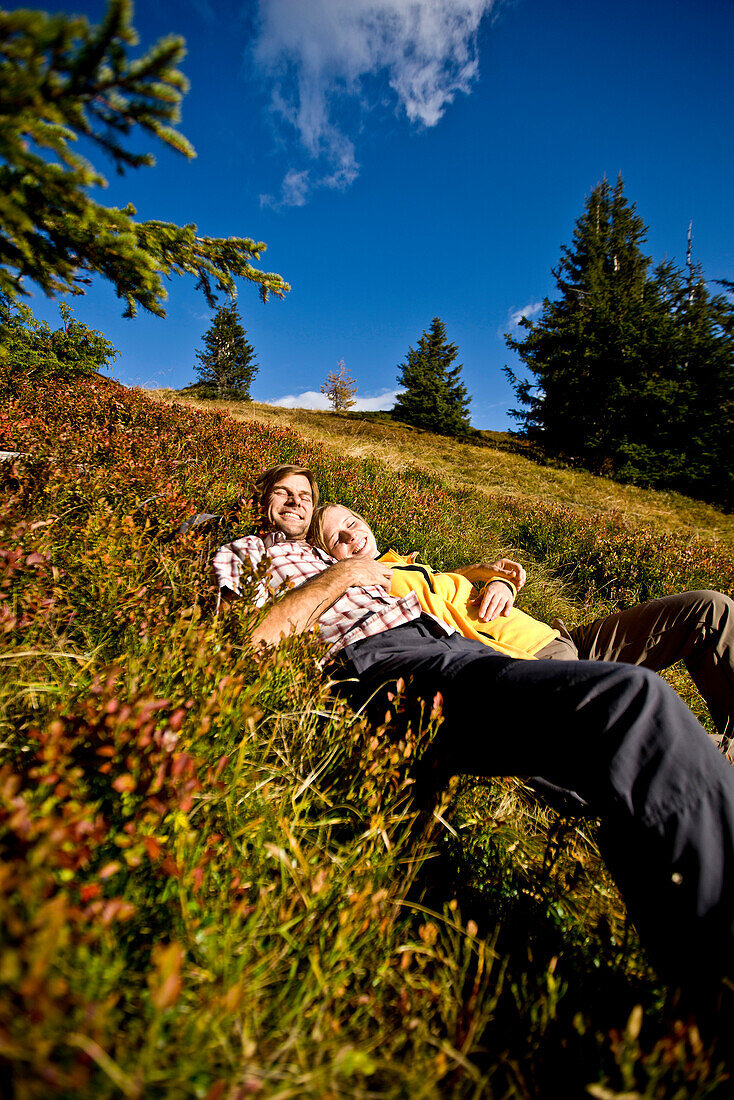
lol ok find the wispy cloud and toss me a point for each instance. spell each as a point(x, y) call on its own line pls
point(532, 309)
point(320, 56)
point(295, 188)
point(310, 399)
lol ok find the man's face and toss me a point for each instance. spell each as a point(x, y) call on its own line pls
point(290, 505)
point(346, 535)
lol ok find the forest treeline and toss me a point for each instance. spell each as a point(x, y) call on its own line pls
point(628, 371)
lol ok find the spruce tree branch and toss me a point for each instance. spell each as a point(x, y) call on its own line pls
point(61, 80)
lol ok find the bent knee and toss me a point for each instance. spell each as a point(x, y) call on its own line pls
point(635, 682)
point(718, 607)
point(708, 604)
point(650, 691)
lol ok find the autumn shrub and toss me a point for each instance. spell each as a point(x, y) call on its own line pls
point(201, 891)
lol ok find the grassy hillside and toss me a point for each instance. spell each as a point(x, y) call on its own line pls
point(481, 466)
point(214, 882)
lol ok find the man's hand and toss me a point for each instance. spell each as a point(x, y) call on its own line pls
point(364, 571)
point(511, 570)
point(482, 572)
point(495, 600)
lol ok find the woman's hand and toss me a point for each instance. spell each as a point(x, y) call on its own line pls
point(483, 572)
point(495, 600)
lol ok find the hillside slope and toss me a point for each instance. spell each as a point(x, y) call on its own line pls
point(484, 468)
point(213, 880)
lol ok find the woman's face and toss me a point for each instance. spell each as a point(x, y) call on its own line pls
point(347, 536)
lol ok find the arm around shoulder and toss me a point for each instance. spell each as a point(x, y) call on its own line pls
point(302, 607)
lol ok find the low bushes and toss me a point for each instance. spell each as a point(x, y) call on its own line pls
point(213, 880)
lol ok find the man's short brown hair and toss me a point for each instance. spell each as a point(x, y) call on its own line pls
point(268, 479)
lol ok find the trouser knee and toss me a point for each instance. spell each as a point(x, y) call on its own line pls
point(658, 741)
point(712, 609)
point(575, 723)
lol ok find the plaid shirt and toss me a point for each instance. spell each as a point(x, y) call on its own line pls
point(359, 613)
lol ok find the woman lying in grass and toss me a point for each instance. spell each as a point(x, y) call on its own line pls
point(697, 627)
point(488, 616)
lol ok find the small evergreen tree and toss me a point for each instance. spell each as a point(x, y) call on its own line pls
point(227, 365)
point(61, 79)
point(433, 396)
point(32, 349)
point(340, 388)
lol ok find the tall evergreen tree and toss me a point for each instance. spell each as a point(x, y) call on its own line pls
point(585, 350)
point(700, 428)
point(631, 369)
point(227, 365)
point(433, 396)
point(60, 80)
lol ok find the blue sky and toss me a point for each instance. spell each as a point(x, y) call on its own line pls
point(406, 159)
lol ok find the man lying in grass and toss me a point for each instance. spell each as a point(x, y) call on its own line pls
point(614, 732)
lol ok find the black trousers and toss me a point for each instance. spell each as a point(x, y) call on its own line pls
point(695, 627)
point(615, 733)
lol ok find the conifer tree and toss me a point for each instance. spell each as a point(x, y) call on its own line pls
point(227, 366)
point(32, 349)
point(589, 346)
point(340, 388)
point(61, 79)
point(631, 369)
point(700, 427)
point(433, 396)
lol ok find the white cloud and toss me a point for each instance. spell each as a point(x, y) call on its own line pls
point(310, 399)
point(294, 191)
point(532, 309)
point(320, 54)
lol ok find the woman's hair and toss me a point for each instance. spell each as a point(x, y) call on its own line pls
point(264, 483)
point(316, 531)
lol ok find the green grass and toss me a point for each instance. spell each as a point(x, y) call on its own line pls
point(497, 466)
point(214, 881)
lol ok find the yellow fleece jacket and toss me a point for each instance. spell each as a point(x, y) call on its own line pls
point(448, 596)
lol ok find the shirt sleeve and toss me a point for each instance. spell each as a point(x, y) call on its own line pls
point(252, 553)
point(229, 559)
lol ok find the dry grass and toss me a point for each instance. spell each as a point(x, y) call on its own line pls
point(484, 468)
